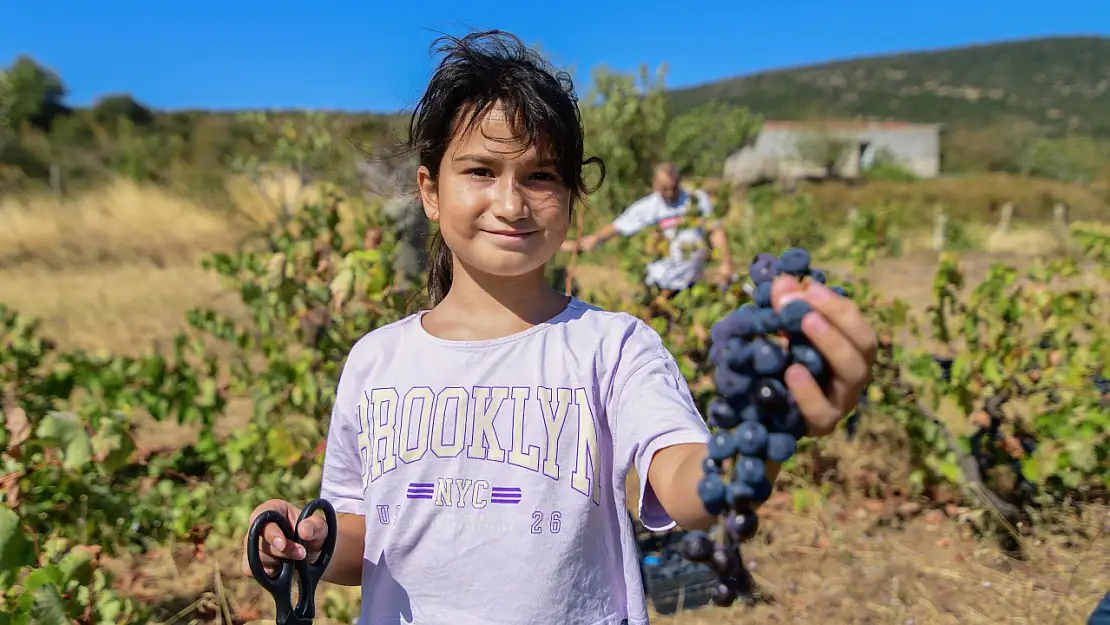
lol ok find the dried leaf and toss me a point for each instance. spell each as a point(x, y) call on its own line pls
point(17, 423)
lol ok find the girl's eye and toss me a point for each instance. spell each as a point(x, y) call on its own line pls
point(543, 175)
point(480, 172)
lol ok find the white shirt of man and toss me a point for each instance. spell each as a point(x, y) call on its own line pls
point(679, 269)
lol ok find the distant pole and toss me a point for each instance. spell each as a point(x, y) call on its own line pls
point(940, 229)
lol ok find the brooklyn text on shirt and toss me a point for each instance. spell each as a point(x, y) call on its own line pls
point(396, 430)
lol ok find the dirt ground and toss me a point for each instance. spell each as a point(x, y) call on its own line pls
point(816, 560)
point(822, 556)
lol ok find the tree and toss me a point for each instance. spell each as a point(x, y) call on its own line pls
point(110, 109)
point(625, 120)
point(35, 94)
point(7, 133)
point(6, 100)
point(700, 140)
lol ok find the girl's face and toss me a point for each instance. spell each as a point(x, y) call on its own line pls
point(502, 211)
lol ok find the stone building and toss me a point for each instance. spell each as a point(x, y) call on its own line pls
point(799, 150)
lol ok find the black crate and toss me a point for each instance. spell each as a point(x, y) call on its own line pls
point(689, 587)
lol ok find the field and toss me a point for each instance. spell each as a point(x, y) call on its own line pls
point(115, 272)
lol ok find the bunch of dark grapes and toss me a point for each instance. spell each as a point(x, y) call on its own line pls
point(753, 417)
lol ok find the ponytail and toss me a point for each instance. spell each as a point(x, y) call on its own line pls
point(440, 270)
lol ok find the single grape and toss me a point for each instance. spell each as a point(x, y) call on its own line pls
point(738, 355)
point(750, 470)
point(725, 561)
point(750, 412)
point(768, 321)
point(780, 447)
point(730, 383)
point(819, 276)
point(721, 446)
point(784, 419)
point(762, 296)
point(696, 546)
point(763, 268)
point(711, 466)
point(769, 392)
point(795, 262)
point(806, 355)
point(711, 491)
point(742, 495)
point(751, 439)
point(740, 583)
point(718, 334)
point(717, 354)
point(723, 595)
point(768, 359)
point(738, 323)
point(839, 290)
point(742, 525)
point(763, 273)
point(792, 315)
point(722, 414)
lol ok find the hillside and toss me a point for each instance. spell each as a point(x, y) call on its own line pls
point(1061, 84)
point(998, 101)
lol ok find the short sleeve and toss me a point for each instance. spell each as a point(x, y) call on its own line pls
point(342, 484)
point(652, 409)
point(640, 215)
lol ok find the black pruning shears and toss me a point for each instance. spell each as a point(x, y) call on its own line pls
point(280, 586)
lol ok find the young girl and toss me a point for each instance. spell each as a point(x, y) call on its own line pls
point(478, 452)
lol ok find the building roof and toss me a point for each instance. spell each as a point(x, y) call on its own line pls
point(845, 124)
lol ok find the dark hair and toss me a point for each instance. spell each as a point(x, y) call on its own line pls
point(477, 71)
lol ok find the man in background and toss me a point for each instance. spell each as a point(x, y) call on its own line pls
point(676, 212)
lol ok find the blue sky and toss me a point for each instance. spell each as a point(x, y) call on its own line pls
point(373, 55)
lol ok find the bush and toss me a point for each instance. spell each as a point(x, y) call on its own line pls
point(109, 110)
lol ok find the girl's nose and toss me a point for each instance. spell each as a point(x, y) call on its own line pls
point(508, 203)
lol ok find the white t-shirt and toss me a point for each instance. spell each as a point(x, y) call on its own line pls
point(492, 473)
point(678, 269)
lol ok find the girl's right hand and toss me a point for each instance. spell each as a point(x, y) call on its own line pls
point(312, 531)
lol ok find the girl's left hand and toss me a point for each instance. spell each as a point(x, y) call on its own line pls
point(837, 329)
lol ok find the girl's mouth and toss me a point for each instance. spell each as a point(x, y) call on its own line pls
point(512, 234)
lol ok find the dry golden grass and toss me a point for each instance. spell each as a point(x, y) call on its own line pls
point(118, 268)
point(120, 223)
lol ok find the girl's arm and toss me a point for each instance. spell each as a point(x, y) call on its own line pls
point(345, 568)
point(674, 473)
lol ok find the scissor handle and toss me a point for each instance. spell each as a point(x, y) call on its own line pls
point(280, 586)
point(310, 573)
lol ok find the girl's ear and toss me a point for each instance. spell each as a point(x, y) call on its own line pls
point(429, 193)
